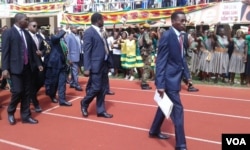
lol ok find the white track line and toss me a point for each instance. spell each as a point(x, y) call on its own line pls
point(57, 106)
point(217, 97)
point(148, 105)
point(187, 110)
point(198, 84)
point(17, 145)
point(196, 95)
point(128, 126)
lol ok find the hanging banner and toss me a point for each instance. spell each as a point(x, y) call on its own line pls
point(4, 11)
point(36, 8)
point(208, 15)
point(132, 16)
point(230, 12)
point(245, 11)
point(226, 12)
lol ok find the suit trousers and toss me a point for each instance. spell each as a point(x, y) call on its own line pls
point(62, 80)
point(37, 83)
point(74, 74)
point(177, 117)
point(20, 92)
point(55, 81)
point(97, 87)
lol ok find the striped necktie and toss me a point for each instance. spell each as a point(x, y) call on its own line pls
point(104, 40)
point(181, 44)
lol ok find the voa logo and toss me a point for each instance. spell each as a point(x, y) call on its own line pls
point(236, 141)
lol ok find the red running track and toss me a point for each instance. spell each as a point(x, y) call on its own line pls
point(208, 113)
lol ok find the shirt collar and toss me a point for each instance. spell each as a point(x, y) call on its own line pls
point(176, 32)
point(96, 28)
point(42, 35)
point(32, 34)
point(18, 28)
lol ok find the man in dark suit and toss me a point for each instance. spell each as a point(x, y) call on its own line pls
point(18, 59)
point(38, 76)
point(171, 66)
point(56, 69)
point(97, 61)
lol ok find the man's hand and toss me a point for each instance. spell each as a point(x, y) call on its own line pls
point(86, 73)
point(161, 92)
point(70, 62)
point(39, 53)
point(40, 68)
point(5, 74)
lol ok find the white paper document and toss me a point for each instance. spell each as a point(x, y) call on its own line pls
point(164, 103)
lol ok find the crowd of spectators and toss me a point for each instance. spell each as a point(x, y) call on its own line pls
point(115, 5)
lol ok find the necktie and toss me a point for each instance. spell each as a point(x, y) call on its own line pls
point(104, 41)
point(181, 44)
point(24, 48)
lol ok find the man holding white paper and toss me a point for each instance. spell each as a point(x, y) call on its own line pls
point(171, 66)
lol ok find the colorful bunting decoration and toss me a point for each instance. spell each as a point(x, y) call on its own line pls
point(37, 8)
point(132, 16)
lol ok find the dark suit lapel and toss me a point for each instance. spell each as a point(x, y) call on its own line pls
point(28, 38)
point(97, 33)
point(175, 39)
point(18, 37)
point(16, 32)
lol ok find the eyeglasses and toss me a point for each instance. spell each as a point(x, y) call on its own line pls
point(34, 26)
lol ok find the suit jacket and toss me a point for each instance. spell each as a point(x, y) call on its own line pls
point(45, 47)
point(12, 53)
point(57, 58)
point(41, 46)
point(94, 51)
point(74, 46)
point(171, 66)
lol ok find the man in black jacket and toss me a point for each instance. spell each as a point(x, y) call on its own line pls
point(18, 59)
point(56, 69)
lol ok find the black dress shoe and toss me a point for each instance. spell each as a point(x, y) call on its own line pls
point(84, 112)
point(53, 100)
point(30, 120)
point(146, 87)
point(192, 89)
point(11, 119)
point(65, 104)
point(158, 135)
point(72, 86)
point(78, 88)
point(180, 148)
point(110, 93)
point(105, 115)
point(38, 109)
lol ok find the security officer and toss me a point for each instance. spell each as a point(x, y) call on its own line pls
point(146, 48)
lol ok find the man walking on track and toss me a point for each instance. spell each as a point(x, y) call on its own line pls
point(97, 61)
point(171, 66)
point(18, 62)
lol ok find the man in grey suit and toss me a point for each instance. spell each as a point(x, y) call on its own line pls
point(74, 47)
point(97, 61)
